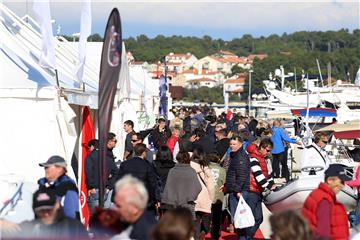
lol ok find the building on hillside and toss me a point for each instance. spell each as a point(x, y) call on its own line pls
point(192, 74)
point(251, 57)
point(179, 80)
point(201, 82)
point(187, 60)
point(175, 67)
point(235, 84)
point(213, 64)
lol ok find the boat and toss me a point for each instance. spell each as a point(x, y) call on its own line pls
point(293, 194)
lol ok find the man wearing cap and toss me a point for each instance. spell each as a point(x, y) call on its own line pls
point(50, 221)
point(326, 216)
point(64, 187)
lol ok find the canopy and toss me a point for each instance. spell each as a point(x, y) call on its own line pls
point(349, 130)
point(315, 112)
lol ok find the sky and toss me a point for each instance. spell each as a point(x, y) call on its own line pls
point(217, 19)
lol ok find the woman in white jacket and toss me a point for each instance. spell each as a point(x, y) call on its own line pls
point(204, 200)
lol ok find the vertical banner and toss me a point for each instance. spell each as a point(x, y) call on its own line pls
point(226, 98)
point(87, 133)
point(85, 31)
point(43, 17)
point(163, 108)
point(109, 76)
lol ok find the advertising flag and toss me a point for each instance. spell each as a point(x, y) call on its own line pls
point(163, 98)
point(109, 75)
point(87, 133)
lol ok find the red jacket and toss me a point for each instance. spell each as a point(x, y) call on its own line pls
point(339, 221)
point(254, 153)
point(171, 142)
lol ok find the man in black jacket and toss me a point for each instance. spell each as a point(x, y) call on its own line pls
point(92, 172)
point(238, 176)
point(160, 134)
point(140, 168)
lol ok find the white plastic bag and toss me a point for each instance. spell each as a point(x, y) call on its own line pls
point(244, 217)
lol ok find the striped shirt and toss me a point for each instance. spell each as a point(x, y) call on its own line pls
point(258, 174)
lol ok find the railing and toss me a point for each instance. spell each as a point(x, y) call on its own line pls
point(12, 202)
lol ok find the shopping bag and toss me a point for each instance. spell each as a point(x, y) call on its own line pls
point(244, 217)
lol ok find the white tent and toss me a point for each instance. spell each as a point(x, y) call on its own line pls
point(40, 119)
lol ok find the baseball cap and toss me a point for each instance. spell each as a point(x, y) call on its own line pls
point(54, 160)
point(44, 198)
point(337, 170)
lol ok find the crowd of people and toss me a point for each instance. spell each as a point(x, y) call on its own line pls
point(182, 179)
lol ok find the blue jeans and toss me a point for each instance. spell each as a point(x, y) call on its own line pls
point(254, 201)
point(233, 202)
point(93, 200)
point(357, 214)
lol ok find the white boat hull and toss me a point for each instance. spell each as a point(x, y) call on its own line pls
point(294, 194)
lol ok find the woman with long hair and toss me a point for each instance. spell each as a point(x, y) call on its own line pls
point(163, 163)
point(204, 200)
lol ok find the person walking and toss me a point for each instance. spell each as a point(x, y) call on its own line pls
point(163, 163)
point(260, 180)
point(219, 174)
point(279, 152)
point(200, 164)
point(140, 168)
point(237, 182)
point(327, 217)
point(92, 173)
point(129, 129)
point(182, 185)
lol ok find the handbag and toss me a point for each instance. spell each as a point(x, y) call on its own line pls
point(244, 217)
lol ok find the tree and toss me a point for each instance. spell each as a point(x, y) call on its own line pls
point(95, 38)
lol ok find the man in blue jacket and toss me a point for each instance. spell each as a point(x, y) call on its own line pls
point(279, 154)
point(65, 188)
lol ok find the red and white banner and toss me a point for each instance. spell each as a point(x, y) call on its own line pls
point(87, 133)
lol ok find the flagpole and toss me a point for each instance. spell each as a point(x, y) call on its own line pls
point(57, 78)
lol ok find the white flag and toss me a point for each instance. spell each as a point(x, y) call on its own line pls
point(42, 13)
point(357, 78)
point(226, 98)
point(85, 31)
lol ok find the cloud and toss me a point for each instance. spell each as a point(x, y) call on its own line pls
point(239, 16)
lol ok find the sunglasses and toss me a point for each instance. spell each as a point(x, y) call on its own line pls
point(325, 142)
